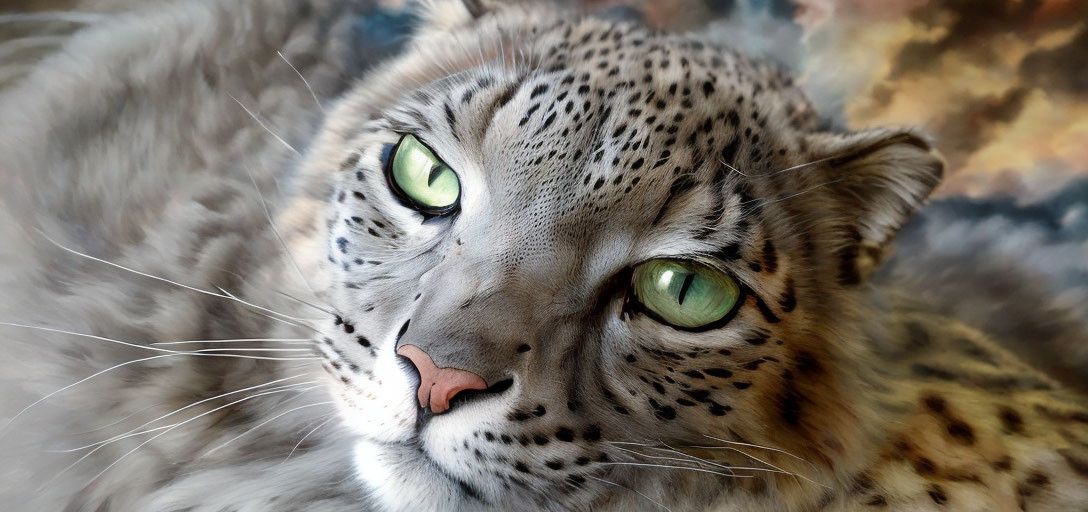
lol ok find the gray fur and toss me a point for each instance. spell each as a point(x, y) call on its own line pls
point(132, 144)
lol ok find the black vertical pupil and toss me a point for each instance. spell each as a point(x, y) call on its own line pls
point(684, 287)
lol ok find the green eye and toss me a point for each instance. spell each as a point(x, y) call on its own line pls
point(685, 294)
point(422, 179)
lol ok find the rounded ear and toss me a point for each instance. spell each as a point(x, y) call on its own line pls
point(450, 14)
point(878, 179)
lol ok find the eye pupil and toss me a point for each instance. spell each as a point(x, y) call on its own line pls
point(684, 289)
point(435, 172)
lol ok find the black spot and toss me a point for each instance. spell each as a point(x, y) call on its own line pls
point(718, 409)
point(363, 341)
point(540, 440)
point(700, 395)
point(768, 315)
point(934, 403)
point(593, 433)
point(538, 90)
point(630, 358)
point(540, 411)
point(788, 301)
point(721, 373)
point(742, 385)
point(708, 88)
point(770, 257)
point(877, 501)
point(695, 374)
point(962, 432)
point(665, 412)
point(937, 494)
point(554, 464)
point(565, 434)
point(523, 348)
point(924, 466)
point(520, 466)
point(757, 338)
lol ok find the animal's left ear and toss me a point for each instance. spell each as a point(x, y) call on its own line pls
point(878, 178)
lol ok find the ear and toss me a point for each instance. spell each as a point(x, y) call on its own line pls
point(879, 178)
point(445, 15)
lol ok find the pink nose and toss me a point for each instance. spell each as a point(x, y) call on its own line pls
point(437, 386)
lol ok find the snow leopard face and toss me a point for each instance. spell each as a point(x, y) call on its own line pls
point(550, 238)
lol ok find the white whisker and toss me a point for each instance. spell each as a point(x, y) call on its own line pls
point(304, 81)
point(168, 430)
point(776, 450)
point(315, 429)
point(276, 232)
point(665, 466)
point(266, 128)
point(162, 279)
point(263, 423)
point(300, 301)
point(292, 341)
point(136, 431)
point(629, 489)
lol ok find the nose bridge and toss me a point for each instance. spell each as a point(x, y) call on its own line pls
point(471, 316)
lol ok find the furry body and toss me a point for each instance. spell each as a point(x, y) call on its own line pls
point(845, 396)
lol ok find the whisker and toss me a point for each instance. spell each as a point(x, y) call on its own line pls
point(629, 489)
point(272, 224)
point(665, 466)
point(308, 434)
point(301, 321)
point(144, 347)
point(779, 171)
point(768, 448)
point(136, 431)
point(300, 301)
point(168, 430)
point(790, 196)
point(104, 427)
point(292, 341)
point(163, 279)
point(167, 353)
point(304, 81)
point(266, 128)
point(657, 457)
point(265, 422)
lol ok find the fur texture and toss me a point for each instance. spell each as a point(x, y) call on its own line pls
point(170, 141)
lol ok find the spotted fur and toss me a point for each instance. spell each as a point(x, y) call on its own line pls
point(584, 147)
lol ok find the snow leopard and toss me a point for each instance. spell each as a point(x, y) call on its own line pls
point(532, 260)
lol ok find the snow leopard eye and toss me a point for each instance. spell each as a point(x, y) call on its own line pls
point(685, 294)
point(421, 179)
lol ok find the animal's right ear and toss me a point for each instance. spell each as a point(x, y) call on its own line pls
point(450, 14)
